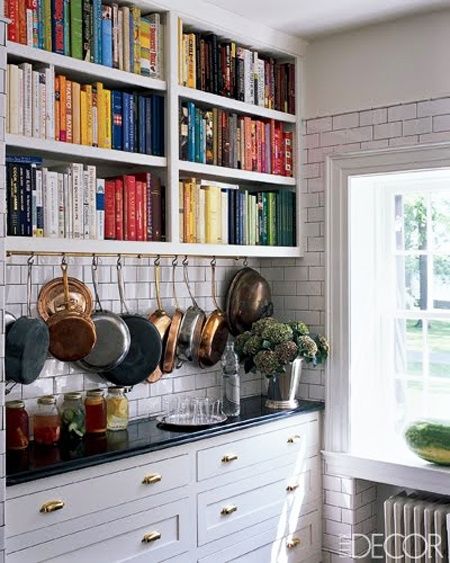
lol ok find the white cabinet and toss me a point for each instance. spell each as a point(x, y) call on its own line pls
point(240, 496)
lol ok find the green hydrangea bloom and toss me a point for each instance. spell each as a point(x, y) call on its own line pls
point(276, 333)
point(286, 351)
point(267, 363)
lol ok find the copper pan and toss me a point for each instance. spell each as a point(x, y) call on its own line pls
point(170, 346)
point(248, 300)
point(52, 297)
point(215, 330)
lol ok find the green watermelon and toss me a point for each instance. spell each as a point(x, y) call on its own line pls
point(430, 440)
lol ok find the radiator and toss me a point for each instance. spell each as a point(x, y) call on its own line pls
point(417, 529)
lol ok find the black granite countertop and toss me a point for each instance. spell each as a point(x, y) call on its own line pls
point(142, 436)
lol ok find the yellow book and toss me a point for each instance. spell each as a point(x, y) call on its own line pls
point(84, 118)
point(76, 113)
point(194, 206)
point(101, 107)
point(191, 79)
point(106, 99)
point(180, 51)
point(136, 15)
point(88, 89)
point(213, 215)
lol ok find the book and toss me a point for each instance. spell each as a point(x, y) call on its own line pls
point(110, 209)
point(107, 36)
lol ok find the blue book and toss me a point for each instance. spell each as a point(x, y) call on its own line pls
point(197, 135)
point(67, 28)
point(117, 120)
point(148, 125)
point(96, 54)
point(191, 131)
point(231, 216)
point(57, 24)
point(141, 124)
point(23, 159)
point(161, 128)
point(126, 121)
point(107, 56)
point(40, 11)
point(202, 139)
point(132, 118)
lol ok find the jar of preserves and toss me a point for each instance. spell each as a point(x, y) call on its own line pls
point(95, 405)
point(17, 426)
point(72, 417)
point(47, 422)
point(117, 408)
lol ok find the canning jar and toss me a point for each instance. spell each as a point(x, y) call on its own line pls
point(46, 422)
point(72, 417)
point(117, 408)
point(95, 405)
point(17, 427)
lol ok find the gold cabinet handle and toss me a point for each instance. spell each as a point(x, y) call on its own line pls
point(229, 458)
point(293, 439)
point(226, 510)
point(151, 479)
point(51, 506)
point(294, 542)
point(151, 537)
point(292, 488)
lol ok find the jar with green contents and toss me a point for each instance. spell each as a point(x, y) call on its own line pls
point(117, 409)
point(72, 417)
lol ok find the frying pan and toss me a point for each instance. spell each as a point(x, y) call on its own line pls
point(170, 347)
point(72, 333)
point(248, 300)
point(113, 336)
point(145, 348)
point(27, 341)
point(215, 330)
point(191, 326)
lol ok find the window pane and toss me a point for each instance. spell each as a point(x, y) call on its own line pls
point(412, 282)
point(410, 222)
point(439, 346)
point(438, 400)
point(410, 401)
point(440, 216)
point(441, 283)
point(408, 356)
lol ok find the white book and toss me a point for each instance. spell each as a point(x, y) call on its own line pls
point(50, 189)
point(91, 203)
point(201, 234)
point(100, 209)
point(42, 105)
point(255, 77)
point(224, 217)
point(29, 24)
point(246, 218)
point(248, 77)
point(20, 101)
point(35, 105)
point(61, 207)
point(85, 232)
point(13, 100)
point(39, 232)
point(27, 101)
point(261, 83)
point(49, 73)
point(77, 200)
point(68, 198)
point(8, 96)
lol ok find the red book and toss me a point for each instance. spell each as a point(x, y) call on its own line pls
point(157, 210)
point(146, 179)
point(58, 26)
point(288, 142)
point(140, 210)
point(57, 108)
point(130, 207)
point(12, 12)
point(22, 17)
point(119, 209)
point(248, 143)
point(110, 209)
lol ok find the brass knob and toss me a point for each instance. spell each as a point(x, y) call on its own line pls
point(51, 506)
point(292, 488)
point(294, 542)
point(293, 439)
point(151, 479)
point(151, 537)
point(229, 458)
point(226, 510)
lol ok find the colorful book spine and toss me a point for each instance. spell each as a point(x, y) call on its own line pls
point(107, 36)
point(76, 29)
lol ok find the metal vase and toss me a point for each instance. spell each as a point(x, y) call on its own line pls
point(283, 387)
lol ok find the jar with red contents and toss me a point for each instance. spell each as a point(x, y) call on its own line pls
point(17, 426)
point(47, 422)
point(95, 405)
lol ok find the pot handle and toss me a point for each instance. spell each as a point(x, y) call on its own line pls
point(123, 304)
point(186, 281)
point(157, 264)
point(174, 291)
point(213, 284)
point(30, 263)
point(65, 284)
point(94, 271)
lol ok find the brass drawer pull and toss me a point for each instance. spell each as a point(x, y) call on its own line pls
point(51, 506)
point(292, 488)
point(229, 458)
point(151, 537)
point(293, 439)
point(294, 542)
point(226, 510)
point(151, 479)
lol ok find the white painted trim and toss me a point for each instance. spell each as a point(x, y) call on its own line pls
point(339, 168)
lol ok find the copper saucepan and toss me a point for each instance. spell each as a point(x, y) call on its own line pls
point(170, 347)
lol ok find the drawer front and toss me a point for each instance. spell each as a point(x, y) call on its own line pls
point(296, 441)
point(165, 529)
point(23, 514)
point(282, 492)
point(301, 546)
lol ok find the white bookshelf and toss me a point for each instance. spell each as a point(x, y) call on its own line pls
point(203, 17)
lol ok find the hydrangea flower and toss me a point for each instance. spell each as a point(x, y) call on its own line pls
point(286, 351)
point(267, 363)
point(275, 333)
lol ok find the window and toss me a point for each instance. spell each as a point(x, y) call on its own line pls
point(399, 296)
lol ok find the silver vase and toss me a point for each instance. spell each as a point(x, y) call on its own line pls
point(283, 388)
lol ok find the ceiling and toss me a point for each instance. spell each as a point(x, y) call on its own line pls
point(311, 18)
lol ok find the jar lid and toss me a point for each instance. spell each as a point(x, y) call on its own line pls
point(15, 404)
point(72, 396)
point(116, 390)
point(47, 400)
point(95, 393)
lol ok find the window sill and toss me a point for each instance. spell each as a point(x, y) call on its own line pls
point(411, 473)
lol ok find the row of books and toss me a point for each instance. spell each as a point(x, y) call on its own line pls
point(44, 105)
point(223, 138)
point(218, 213)
point(89, 30)
point(72, 202)
point(223, 67)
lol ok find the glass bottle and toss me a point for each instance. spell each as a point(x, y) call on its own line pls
point(95, 405)
point(117, 409)
point(72, 417)
point(231, 385)
point(47, 422)
point(17, 426)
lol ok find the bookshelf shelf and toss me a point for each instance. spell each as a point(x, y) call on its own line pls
point(234, 105)
point(46, 148)
point(217, 172)
point(84, 70)
point(28, 244)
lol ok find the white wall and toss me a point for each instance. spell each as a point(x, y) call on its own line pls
point(380, 65)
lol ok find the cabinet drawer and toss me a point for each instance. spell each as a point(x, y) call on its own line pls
point(296, 441)
point(23, 514)
point(283, 492)
point(166, 528)
point(303, 545)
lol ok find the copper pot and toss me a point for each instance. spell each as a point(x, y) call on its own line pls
point(170, 346)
